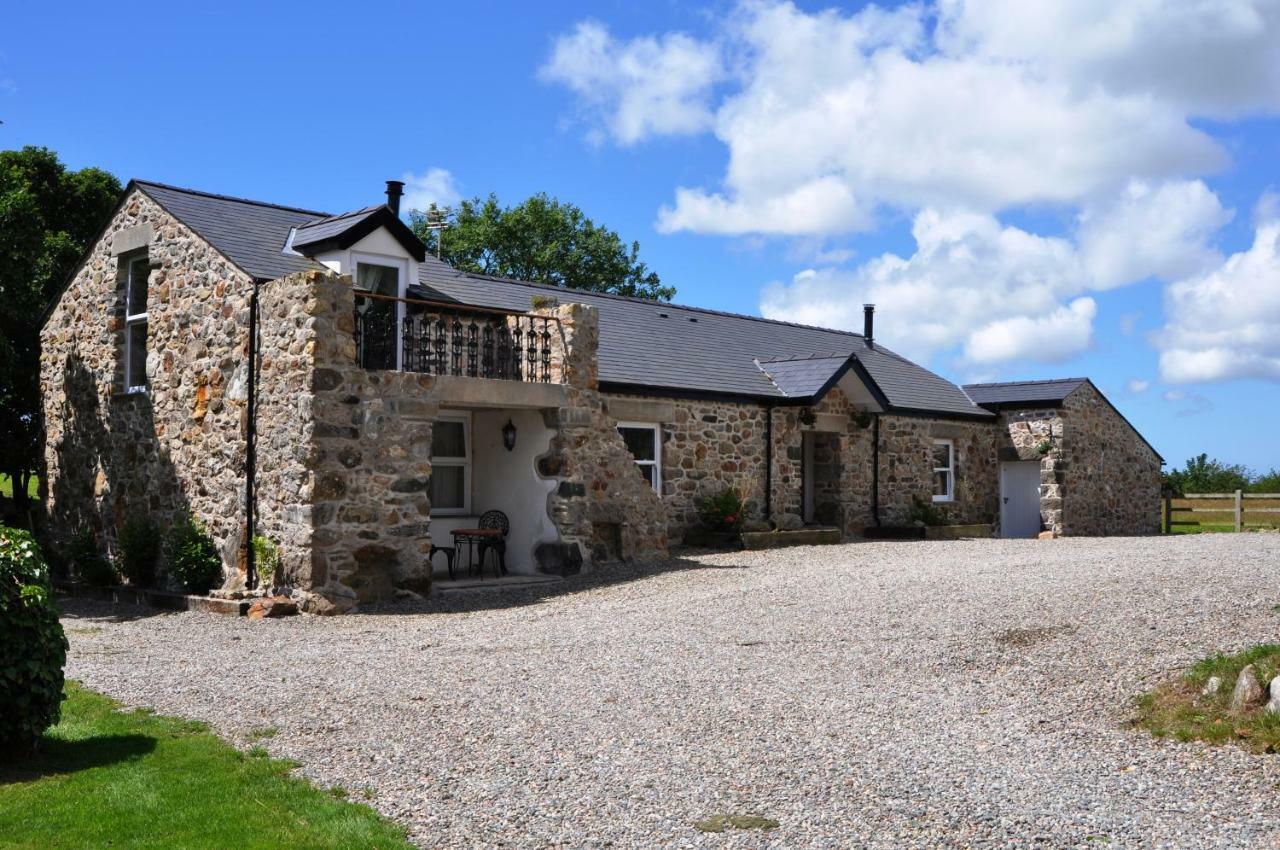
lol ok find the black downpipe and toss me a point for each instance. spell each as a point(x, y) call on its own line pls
point(768, 464)
point(875, 471)
point(251, 447)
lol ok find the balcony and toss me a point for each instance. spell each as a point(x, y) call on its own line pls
point(435, 338)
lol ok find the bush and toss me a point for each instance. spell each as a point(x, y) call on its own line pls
point(87, 561)
point(266, 556)
point(139, 551)
point(193, 559)
point(32, 645)
point(725, 511)
point(926, 513)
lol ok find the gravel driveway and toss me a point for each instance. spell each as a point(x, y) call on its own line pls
point(880, 694)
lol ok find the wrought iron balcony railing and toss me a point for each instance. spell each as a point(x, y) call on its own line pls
point(440, 339)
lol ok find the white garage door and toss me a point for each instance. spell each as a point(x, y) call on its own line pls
point(1020, 499)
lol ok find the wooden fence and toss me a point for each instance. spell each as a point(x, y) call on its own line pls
point(1230, 508)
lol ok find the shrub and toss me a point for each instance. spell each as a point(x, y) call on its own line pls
point(266, 556)
point(725, 511)
point(32, 645)
point(89, 564)
point(926, 513)
point(139, 551)
point(193, 559)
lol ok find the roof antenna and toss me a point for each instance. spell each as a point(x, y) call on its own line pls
point(437, 219)
point(869, 324)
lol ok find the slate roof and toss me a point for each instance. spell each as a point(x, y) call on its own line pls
point(804, 377)
point(643, 344)
point(335, 225)
point(250, 234)
point(1023, 392)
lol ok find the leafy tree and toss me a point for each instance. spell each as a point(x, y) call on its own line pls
point(48, 215)
point(541, 240)
point(1268, 482)
point(1202, 475)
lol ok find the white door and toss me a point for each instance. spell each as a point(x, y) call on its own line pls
point(1020, 499)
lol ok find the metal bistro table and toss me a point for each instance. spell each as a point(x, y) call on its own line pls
point(473, 540)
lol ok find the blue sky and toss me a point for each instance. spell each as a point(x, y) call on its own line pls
point(1023, 196)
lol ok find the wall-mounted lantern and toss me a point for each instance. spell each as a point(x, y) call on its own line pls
point(509, 436)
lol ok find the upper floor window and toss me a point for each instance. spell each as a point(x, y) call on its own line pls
point(135, 324)
point(380, 318)
point(644, 441)
point(944, 471)
point(451, 464)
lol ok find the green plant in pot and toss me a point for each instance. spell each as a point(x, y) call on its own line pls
point(266, 557)
point(89, 565)
point(725, 512)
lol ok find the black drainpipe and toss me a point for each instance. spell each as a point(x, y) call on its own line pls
point(250, 446)
point(768, 462)
point(875, 470)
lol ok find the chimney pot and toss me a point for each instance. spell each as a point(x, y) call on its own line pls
point(869, 322)
point(395, 189)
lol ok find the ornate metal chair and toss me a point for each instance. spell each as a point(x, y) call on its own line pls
point(495, 521)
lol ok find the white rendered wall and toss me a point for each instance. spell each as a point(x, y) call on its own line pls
point(509, 482)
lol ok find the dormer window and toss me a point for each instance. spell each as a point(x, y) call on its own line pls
point(138, 270)
point(379, 313)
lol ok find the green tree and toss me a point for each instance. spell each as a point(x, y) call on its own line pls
point(1203, 475)
point(1267, 482)
point(540, 240)
point(47, 217)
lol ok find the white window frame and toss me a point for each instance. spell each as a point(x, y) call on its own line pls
point(950, 469)
point(656, 463)
point(131, 385)
point(401, 266)
point(464, 417)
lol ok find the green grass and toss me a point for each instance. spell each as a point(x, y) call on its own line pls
point(1178, 709)
point(130, 779)
point(6, 487)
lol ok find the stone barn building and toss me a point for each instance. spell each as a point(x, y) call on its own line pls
point(321, 380)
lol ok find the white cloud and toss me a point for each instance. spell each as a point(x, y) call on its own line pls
point(1163, 230)
point(1225, 323)
point(1049, 339)
point(968, 276)
point(638, 88)
point(1137, 386)
point(999, 292)
point(434, 186)
point(845, 113)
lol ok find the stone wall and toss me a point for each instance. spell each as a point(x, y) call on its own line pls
point(1112, 476)
point(179, 447)
point(345, 454)
point(602, 506)
point(709, 446)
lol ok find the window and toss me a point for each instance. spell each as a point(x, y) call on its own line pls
point(135, 324)
point(451, 464)
point(944, 470)
point(644, 441)
point(380, 318)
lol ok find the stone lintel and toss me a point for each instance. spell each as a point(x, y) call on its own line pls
point(641, 410)
point(458, 391)
point(131, 239)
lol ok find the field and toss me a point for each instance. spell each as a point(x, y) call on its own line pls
point(1213, 521)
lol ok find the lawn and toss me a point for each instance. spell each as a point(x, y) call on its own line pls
point(6, 486)
point(130, 779)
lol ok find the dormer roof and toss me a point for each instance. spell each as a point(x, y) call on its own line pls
point(338, 232)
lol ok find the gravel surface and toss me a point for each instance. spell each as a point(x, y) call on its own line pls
point(875, 694)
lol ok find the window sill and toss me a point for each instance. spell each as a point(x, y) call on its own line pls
point(943, 500)
point(141, 391)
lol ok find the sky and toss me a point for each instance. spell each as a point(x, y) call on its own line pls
point(1025, 191)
